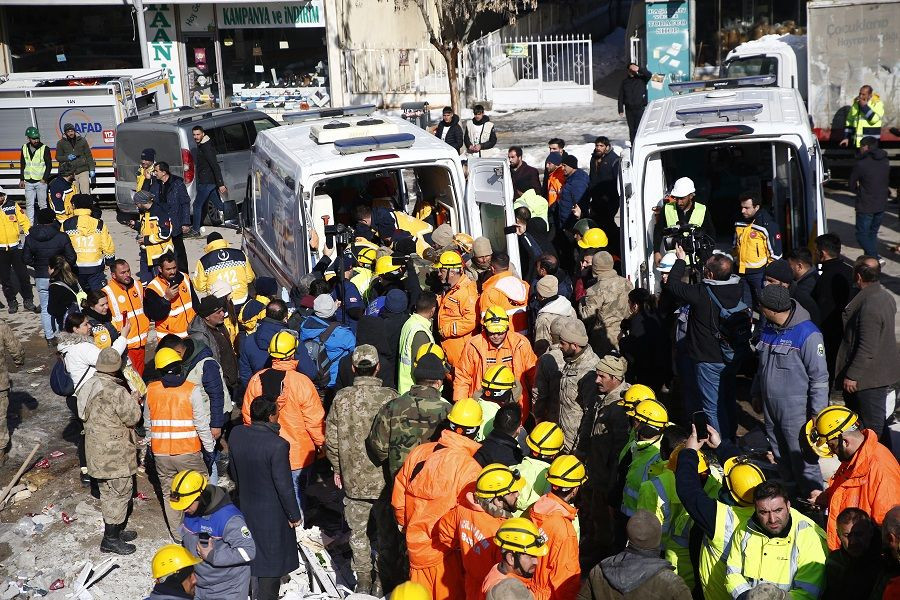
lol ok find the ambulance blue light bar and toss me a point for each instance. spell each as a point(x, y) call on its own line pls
point(730, 112)
point(370, 143)
point(681, 87)
point(300, 116)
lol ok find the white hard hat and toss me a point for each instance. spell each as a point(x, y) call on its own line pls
point(683, 187)
point(667, 262)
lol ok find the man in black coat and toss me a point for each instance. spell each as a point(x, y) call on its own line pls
point(832, 292)
point(42, 243)
point(210, 184)
point(501, 445)
point(604, 177)
point(633, 97)
point(172, 194)
point(869, 181)
point(260, 466)
point(450, 130)
point(524, 176)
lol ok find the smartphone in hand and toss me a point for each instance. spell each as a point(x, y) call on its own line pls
point(700, 422)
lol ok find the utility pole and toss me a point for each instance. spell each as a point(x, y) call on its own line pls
point(142, 33)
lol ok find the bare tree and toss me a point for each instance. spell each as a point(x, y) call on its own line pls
point(449, 26)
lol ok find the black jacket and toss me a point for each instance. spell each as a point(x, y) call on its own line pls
point(208, 170)
point(454, 135)
point(261, 467)
point(832, 292)
point(633, 91)
point(499, 448)
point(371, 330)
point(44, 242)
point(869, 181)
point(525, 178)
point(645, 347)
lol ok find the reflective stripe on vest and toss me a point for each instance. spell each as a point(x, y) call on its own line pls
point(172, 430)
point(640, 467)
point(696, 218)
point(35, 167)
point(413, 325)
point(664, 496)
point(181, 312)
point(122, 300)
point(792, 567)
point(712, 562)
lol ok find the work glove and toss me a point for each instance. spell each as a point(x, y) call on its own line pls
point(71, 157)
point(92, 174)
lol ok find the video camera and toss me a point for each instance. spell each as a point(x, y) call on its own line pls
point(339, 235)
point(696, 244)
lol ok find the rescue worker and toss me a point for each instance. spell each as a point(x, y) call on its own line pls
point(154, 231)
point(35, 165)
point(555, 177)
point(145, 173)
point(506, 290)
point(300, 412)
point(215, 530)
point(254, 309)
point(410, 419)
point(545, 442)
point(479, 267)
point(14, 226)
point(221, 261)
point(125, 296)
point(169, 298)
point(523, 547)
point(498, 386)
point(550, 305)
point(414, 334)
point(349, 420)
point(578, 379)
point(75, 151)
point(547, 372)
point(430, 483)
point(778, 545)
point(61, 191)
point(172, 569)
point(181, 430)
point(457, 316)
point(557, 518)
point(605, 305)
point(496, 345)
point(865, 118)
point(94, 247)
point(757, 241)
point(649, 420)
point(679, 208)
point(362, 274)
point(868, 476)
point(469, 527)
point(11, 346)
point(410, 590)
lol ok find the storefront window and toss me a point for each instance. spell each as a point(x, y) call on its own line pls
point(72, 38)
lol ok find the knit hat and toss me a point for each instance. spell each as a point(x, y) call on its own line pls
point(68, 127)
point(613, 365)
point(548, 286)
point(396, 302)
point(570, 161)
point(266, 286)
point(148, 154)
point(556, 325)
point(142, 197)
point(644, 530)
point(781, 270)
point(46, 216)
point(482, 247)
point(509, 589)
point(573, 332)
point(109, 361)
point(554, 158)
point(429, 367)
point(209, 305)
point(220, 288)
point(776, 298)
point(213, 237)
point(365, 356)
point(442, 236)
point(765, 591)
point(601, 263)
point(324, 306)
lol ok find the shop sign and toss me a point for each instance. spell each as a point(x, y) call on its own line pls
point(163, 47)
point(516, 50)
point(668, 45)
point(289, 14)
point(197, 18)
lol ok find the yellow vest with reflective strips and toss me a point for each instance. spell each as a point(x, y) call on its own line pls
point(644, 455)
point(413, 325)
point(35, 167)
point(696, 218)
point(714, 552)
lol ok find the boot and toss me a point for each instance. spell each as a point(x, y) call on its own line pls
point(13, 307)
point(363, 582)
point(29, 306)
point(127, 535)
point(113, 543)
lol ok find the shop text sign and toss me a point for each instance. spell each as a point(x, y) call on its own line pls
point(290, 14)
point(668, 45)
point(163, 46)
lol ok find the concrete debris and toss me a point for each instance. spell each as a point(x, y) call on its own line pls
point(85, 511)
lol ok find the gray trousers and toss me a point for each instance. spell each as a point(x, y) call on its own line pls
point(84, 182)
point(115, 496)
point(166, 469)
point(358, 513)
point(797, 464)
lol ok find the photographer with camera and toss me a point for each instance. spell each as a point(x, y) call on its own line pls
point(679, 210)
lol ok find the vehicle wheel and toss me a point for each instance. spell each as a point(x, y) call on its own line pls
point(213, 215)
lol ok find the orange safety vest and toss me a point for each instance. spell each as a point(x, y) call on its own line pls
point(128, 301)
point(172, 430)
point(182, 312)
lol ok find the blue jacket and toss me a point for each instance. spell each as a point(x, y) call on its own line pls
point(211, 378)
point(255, 352)
point(353, 304)
point(573, 191)
point(173, 195)
point(340, 343)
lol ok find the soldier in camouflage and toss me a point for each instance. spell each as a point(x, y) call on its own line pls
point(605, 305)
point(349, 420)
point(545, 393)
point(9, 344)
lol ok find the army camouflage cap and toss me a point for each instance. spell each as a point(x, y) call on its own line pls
point(365, 356)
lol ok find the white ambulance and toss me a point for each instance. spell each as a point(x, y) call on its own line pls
point(312, 169)
point(729, 136)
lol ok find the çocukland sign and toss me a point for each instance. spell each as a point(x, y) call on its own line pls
point(306, 14)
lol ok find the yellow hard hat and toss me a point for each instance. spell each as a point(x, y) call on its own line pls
point(449, 260)
point(829, 424)
point(465, 413)
point(186, 487)
point(498, 480)
point(385, 264)
point(652, 413)
point(566, 471)
point(170, 559)
point(283, 344)
point(495, 320)
point(365, 256)
point(634, 395)
point(464, 241)
point(410, 590)
point(498, 378)
point(702, 465)
point(546, 439)
point(521, 535)
point(741, 478)
point(429, 348)
point(593, 238)
point(165, 357)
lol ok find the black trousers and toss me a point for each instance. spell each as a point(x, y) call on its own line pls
point(633, 116)
point(872, 410)
point(265, 588)
point(180, 253)
point(11, 262)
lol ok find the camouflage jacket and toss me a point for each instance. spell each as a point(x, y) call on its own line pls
point(348, 422)
point(577, 385)
point(404, 423)
point(605, 305)
point(110, 414)
point(9, 343)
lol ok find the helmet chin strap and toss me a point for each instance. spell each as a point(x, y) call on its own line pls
point(517, 565)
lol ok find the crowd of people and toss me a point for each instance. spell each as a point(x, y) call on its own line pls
point(492, 430)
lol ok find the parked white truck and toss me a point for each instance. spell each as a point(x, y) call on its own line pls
point(848, 44)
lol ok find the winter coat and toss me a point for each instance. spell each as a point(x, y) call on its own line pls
point(550, 310)
point(478, 355)
point(524, 178)
point(604, 435)
point(91, 240)
point(371, 330)
point(457, 317)
point(109, 414)
point(577, 385)
point(868, 352)
point(83, 159)
point(869, 181)
point(340, 343)
point(14, 224)
point(173, 195)
point(454, 133)
point(62, 300)
point(206, 166)
point(205, 372)
point(646, 348)
point(481, 133)
point(633, 90)
point(545, 393)
point(80, 353)
point(9, 344)
point(255, 352)
point(604, 307)
point(219, 343)
point(260, 466)
point(832, 293)
point(559, 571)
point(634, 575)
point(168, 591)
point(44, 242)
point(574, 191)
point(499, 448)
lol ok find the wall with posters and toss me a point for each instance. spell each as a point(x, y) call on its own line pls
point(668, 45)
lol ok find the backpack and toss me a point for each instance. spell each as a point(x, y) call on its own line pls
point(61, 380)
point(315, 347)
point(734, 329)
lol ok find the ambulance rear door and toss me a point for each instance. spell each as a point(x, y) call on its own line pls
point(489, 199)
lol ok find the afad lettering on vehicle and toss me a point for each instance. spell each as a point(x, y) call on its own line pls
point(83, 122)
